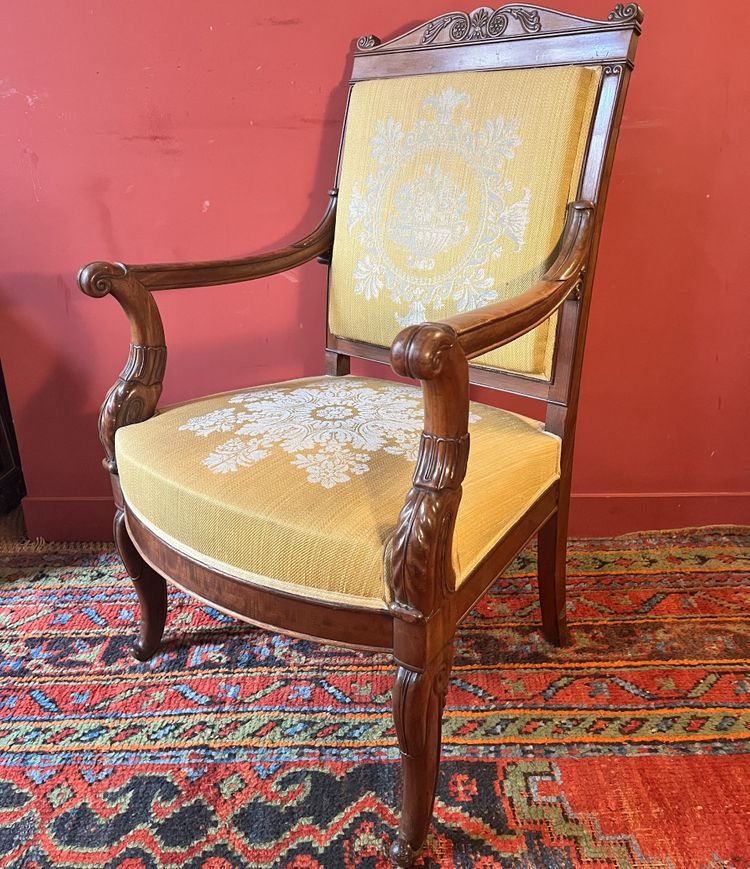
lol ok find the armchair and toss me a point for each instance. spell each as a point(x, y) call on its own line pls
point(461, 242)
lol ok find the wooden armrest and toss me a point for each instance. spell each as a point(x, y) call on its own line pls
point(134, 396)
point(170, 276)
point(487, 328)
point(422, 572)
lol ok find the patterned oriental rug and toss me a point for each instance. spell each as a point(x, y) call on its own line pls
point(240, 748)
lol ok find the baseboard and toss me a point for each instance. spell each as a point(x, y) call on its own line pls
point(591, 515)
point(605, 515)
point(69, 518)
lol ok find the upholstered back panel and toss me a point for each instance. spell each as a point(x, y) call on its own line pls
point(452, 195)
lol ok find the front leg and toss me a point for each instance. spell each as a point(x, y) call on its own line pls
point(151, 588)
point(418, 700)
point(422, 576)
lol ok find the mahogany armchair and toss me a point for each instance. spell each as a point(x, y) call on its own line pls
point(461, 241)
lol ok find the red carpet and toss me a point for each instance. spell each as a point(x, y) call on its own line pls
point(236, 747)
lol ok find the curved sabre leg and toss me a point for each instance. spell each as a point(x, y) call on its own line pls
point(151, 588)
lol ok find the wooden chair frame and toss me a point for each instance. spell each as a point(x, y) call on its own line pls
point(419, 625)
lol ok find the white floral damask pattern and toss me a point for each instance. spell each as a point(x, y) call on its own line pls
point(428, 214)
point(331, 428)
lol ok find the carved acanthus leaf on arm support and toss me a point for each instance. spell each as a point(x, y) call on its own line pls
point(421, 566)
point(135, 394)
point(422, 575)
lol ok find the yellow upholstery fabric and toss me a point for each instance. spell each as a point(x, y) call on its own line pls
point(452, 195)
point(299, 485)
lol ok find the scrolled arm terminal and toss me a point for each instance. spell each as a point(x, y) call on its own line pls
point(95, 279)
point(420, 351)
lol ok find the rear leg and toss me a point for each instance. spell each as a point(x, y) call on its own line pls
point(551, 568)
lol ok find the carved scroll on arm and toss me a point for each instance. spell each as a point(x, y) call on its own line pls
point(422, 572)
point(422, 575)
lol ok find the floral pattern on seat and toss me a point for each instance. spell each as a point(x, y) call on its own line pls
point(331, 428)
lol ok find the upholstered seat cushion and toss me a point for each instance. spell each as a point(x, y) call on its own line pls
point(299, 485)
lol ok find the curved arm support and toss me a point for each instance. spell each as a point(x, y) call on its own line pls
point(134, 395)
point(491, 326)
point(170, 276)
point(421, 568)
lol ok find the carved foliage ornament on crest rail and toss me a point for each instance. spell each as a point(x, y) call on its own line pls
point(482, 24)
point(486, 23)
point(625, 12)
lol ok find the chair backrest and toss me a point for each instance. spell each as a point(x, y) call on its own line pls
point(464, 141)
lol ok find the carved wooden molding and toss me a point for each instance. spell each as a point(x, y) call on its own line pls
point(486, 24)
point(418, 701)
point(421, 567)
point(365, 43)
point(423, 351)
point(625, 13)
point(433, 683)
point(133, 398)
point(441, 462)
point(135, 393)
point(481, 24)
point(97, 278)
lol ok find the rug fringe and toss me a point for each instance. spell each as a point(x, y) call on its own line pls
point(45, 547)
point(689, 529)
point(41, 546)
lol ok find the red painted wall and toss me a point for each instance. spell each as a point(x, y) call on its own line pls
point(176, 130)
